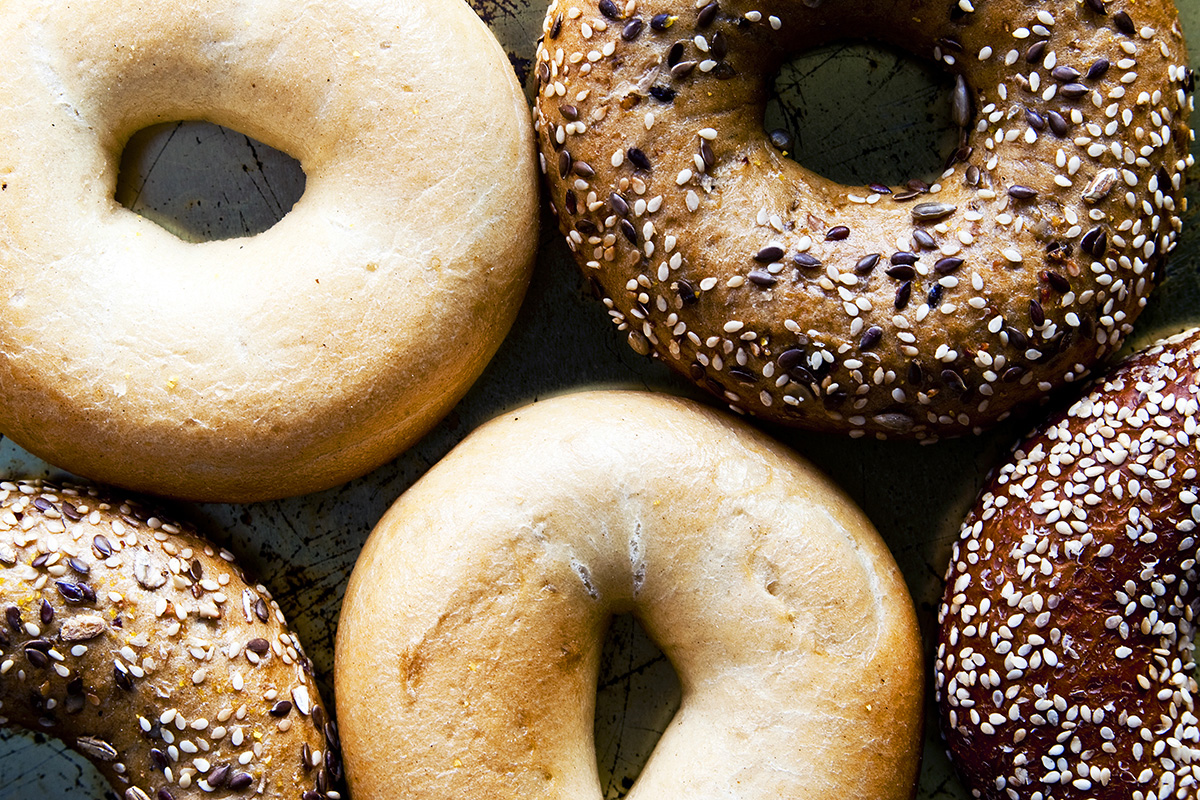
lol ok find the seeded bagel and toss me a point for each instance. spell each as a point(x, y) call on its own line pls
point(144, 648)
point(912, 311)
point(1065, 662)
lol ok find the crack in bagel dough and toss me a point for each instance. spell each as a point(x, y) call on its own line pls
point(295, 359)
point(469, 642)
point(146, 649)
point(1065, 665)
point(913, 312)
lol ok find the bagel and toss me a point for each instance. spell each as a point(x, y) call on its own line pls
point(290, 361)
point(1064, 664)
point(144, 648)
point(470, 634)
point(920, 311)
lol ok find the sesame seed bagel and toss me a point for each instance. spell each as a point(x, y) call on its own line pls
point(290, 361)
point(470, 637)
point(913, 311)
point(1064, 666)
point(144, 648)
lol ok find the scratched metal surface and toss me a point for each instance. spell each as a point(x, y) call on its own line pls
point(858, 115)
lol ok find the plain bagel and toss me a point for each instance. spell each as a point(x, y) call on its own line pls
point(146, 649)
point(295, 359)
point(470, 636)
point(1065, 665)
point(910, 311)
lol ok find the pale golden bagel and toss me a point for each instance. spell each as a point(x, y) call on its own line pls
point(906, 311)
point(295, 359)
point(146, 649)
point(470, 637)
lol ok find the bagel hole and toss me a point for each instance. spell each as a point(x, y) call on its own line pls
point(204, 182)
point(637, 694)
point(860, 113)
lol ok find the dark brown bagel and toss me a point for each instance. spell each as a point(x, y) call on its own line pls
point(888, 311)
point(1064, 667)
point(144, 648)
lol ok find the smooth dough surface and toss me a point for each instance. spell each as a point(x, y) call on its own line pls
point(303, 356)
point(470, 636)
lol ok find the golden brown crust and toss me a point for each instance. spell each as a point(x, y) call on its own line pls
point(871, 310)
point(469, 640)
point(1064, 666)
point(144, 648)
point(288, 361)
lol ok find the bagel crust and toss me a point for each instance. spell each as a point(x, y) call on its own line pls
point(469, 642)
point(1065, 664)
point(144, 648)
point(296, 359)
point(912, 311)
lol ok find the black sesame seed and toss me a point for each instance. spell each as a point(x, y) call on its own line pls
point(311, 795)
point(660, 22)
point(723, 71)
point(1095, 242)
point(75, 686)
point(163, 794)
point(609, 9)
point(904, 258)
point(806, 261)
point(743, 375)
point(948, 265)
point(950, 44)
point(1020, 192)
point(1097, 6)
point(1012, 374)
point(682, 69)
point(706, 154)
point(871, 337)
point(663, 94)
point(37, 658)
point(675, 54)
point(1073, 90)
point(1035, 120)
point(935, 295)
point(102, 546)
point(696, 370)
point(586, 227)
point(13, 615)
point(780, 139)
point(903, 294)
point(159, 759)
point(916, 375)
point(40, 561)
point(556, 28)
point(879, 188)
point(837, 233)
point(906, 196)
point(1065, 74)
point(281, 709)
point(1058, 124)
point(903, 272)
point(1016, 338)
point(259, 646)
point(638, 158)
point(629, 231)
point(564, 164)
point(70, 512)
point(923, 239)
point(568, 111)
point(918, 185)
point(570, 203)
point(866, 263)
point(543, 72)
point(769, 254)
point(78, 566)
point(70, 591)
point(953, 380)
point(1036, 52)
point(718, 48)
point(583, 169)
point(760, 277)
point(618, 205)
point(1124, 23)
point(46, 613)
point(686, 292)
point(42, 504)
point(632, 29)
point(707, 15)
point(260, 610)
point(41, 645)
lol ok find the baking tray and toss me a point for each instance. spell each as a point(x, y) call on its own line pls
point(861, 114)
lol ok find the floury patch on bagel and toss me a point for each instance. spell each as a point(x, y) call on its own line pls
point(1065, 663)
point(872, 310)
point(145, 648)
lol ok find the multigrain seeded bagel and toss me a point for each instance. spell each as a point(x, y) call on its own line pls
point(470, 636)
point(1065, 662)
point(915, 311)
point(301, 357)
point(144, 648)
